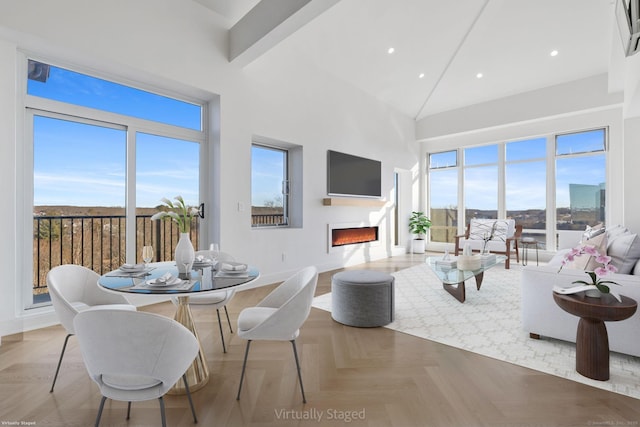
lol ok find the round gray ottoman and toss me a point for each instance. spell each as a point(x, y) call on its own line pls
point(363, 298)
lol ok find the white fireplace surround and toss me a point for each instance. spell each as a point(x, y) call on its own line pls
point(341, 225)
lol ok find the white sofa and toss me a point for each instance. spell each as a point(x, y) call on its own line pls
point(541, 316)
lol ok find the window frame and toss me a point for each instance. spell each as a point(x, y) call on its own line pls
point(550, 159)
point(31, 105)
point(285, 189)
point(295, 180)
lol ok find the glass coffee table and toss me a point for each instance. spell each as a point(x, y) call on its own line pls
point(453, 278)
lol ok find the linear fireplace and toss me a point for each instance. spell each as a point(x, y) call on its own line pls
point(341, 235)
point(351, 236)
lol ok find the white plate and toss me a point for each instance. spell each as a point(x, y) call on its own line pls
point(132, 268)
point(156, 283)
point(225, 267)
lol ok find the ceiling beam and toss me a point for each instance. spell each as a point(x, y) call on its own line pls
point(268, 23)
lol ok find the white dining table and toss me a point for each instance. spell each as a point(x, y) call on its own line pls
point(202, 279)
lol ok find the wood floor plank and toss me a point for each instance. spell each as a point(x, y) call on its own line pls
point(374, 376)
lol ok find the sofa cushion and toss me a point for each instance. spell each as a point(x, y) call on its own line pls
point(624, 251)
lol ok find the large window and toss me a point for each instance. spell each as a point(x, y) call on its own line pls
point(481, 182)
point(104, 155)
point(526, 183)
point(443, 212)
point(269, 186)
point(564, 174)
point(580, 179)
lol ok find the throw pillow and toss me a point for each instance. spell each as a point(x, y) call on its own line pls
point(501, 231)
point(497, 229)
point(585, 261)
point(592, 232)
point(624, 251)
point(600, 243)
point(615, 231)
point(479, 228)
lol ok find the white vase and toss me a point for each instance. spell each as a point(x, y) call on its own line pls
point(184, 254)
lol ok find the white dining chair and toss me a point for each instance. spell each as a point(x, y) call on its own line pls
point(134, 356)
point(74, 288)
point(279, 316)
point(218, 299)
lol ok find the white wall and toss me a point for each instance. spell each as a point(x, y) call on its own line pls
point(181, 46)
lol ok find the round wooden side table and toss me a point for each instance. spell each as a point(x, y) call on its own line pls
point(592, 340)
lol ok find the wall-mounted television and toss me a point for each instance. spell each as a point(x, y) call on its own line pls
point(349, 175)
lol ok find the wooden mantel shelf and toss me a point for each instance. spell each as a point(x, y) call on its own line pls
point(348, 201)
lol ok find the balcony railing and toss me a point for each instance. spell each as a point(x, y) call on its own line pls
point(267, 219)
point(98, 242)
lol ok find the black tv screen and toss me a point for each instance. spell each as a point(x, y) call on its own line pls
point(349, 175)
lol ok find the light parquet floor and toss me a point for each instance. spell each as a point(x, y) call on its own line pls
point(355, 376)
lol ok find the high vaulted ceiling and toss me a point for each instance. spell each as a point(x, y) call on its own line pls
point(450, 42)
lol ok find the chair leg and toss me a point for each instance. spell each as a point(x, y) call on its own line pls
point(164, 419)
point(55, 377)
point(228, 320)
point(186, 387)
point(224, 348)
point(128, 410)
point(244, 365)
point(100, 410)
point(295, 354)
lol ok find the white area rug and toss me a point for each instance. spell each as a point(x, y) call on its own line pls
point(488, 323)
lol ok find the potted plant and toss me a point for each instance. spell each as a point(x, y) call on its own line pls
point(419, 225)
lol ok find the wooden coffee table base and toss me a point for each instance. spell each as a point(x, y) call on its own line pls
point(458, 290)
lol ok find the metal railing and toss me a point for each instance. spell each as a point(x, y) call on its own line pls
point(98, 242)
point(267, 219)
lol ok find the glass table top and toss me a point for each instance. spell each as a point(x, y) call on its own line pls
point(452, 275)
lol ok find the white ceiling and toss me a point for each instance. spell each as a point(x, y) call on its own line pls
point(508, 41)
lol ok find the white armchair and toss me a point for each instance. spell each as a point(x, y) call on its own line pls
point(135, 356)
point(503, 235)
point(279, 316)
point(74, 288)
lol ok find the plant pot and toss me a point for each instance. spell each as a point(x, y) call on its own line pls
point(593, 293)
point(418, 246)
point(184, 254)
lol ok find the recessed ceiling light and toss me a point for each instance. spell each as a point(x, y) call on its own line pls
point(390, 50)
point(421, 75)
point(554, 53)
point(479, 75)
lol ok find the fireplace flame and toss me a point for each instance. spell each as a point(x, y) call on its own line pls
point(351, 236)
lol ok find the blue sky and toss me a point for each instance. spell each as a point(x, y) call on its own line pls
point(526, 172)
point(85, 164)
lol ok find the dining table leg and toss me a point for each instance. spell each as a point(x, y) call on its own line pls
point(198, 373)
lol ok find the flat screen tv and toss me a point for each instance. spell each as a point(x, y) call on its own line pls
point(349, 175)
